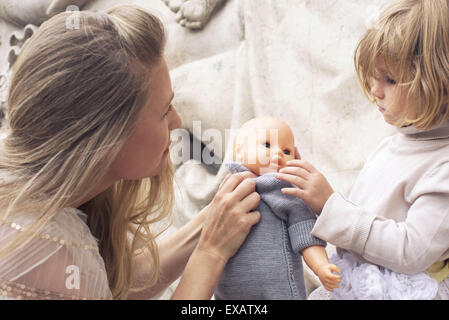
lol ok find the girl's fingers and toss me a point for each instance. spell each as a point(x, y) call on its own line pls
point(296, 171)
point(302, 164)
point(295, 180)
point(295, 192)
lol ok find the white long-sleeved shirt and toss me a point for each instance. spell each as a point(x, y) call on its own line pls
point(397, 213)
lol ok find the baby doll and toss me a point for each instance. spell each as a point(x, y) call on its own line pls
point(268, 265)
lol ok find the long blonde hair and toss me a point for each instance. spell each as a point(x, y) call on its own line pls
point(74, 98)
point(412, 36)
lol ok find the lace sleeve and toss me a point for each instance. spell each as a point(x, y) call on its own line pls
point(63, 262)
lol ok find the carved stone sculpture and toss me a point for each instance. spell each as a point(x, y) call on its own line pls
point(34, 12)
point(193, 14)
point(26, 16)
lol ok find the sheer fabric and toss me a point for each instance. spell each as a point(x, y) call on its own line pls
point(366, 281)
point(322, 294)
point(63, 262)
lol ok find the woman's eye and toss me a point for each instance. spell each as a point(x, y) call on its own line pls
point(267, 145)
point(287, 152)
point(170, 107)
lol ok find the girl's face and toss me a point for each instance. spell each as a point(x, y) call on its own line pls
point(146, 151)
point(390, 98)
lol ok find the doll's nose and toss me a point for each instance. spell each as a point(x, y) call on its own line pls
point(278, 157)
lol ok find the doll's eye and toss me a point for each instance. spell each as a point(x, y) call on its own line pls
point(267, 145)
point(287, 152)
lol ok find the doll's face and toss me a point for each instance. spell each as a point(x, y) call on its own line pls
point(264, 145)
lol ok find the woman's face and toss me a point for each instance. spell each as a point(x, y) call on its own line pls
point(146, 151)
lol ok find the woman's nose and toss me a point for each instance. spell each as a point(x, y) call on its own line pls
point(176, 120)
point(376, 90)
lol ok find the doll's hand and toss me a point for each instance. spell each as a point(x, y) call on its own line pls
point(313, 187)
point(327, 277)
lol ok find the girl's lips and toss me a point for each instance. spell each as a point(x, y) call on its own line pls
point(381, 109)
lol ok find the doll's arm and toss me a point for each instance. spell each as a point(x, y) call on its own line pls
point(317, 260)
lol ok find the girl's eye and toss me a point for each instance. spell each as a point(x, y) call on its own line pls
point(267, 145)
point(391, 81)
point(287, 152)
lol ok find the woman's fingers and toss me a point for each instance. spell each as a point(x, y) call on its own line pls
point(224, 181)
point(253, 217)
point(234, 180)
point(245, 188)
point(250, 202)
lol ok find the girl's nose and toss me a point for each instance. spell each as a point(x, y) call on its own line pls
point(376, 90)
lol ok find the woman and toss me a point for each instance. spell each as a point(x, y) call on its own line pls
point(85, 170)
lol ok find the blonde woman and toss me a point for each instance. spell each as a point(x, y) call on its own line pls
point(85, 170)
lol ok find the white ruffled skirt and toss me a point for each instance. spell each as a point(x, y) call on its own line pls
point(366, 281)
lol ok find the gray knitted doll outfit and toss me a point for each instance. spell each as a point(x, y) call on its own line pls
point(268, 265)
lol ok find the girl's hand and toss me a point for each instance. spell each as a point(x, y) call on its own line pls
point(312, 186)
point(327, 277)
point(229, 217)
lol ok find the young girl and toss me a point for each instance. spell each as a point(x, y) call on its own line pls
point(397, 214)
point(85, 170)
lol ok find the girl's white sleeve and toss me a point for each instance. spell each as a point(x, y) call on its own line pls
point(409, 246)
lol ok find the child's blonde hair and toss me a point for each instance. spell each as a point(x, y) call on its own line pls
point(412, 37)
point(75, 96)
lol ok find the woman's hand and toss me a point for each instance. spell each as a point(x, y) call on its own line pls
point(228, 220)
point(230, 216)
point(312, 186)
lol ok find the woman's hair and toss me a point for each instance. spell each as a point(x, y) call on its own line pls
point(412, 37)
point(74, 98)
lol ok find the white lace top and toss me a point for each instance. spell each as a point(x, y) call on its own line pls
point(63, 262)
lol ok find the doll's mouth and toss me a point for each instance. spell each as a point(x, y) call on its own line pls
point(275, 167)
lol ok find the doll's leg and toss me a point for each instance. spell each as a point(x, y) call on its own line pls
point(194, 14)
